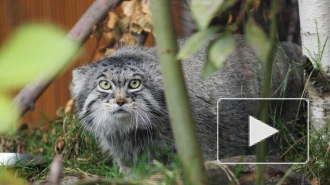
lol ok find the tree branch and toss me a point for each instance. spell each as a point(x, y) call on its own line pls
point(80, 32)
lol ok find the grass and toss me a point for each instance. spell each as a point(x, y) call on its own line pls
point(318, 165)
point(294, 148)
point(83, 159)
point(81, 156)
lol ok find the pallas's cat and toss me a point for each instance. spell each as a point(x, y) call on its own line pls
point(120, 99)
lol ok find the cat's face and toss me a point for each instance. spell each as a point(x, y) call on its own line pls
point(118, 94)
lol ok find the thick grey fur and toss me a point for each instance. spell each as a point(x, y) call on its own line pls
point(128, 137)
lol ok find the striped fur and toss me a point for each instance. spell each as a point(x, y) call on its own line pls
point(144, 129)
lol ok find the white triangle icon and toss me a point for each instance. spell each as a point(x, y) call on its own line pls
point(259, 131)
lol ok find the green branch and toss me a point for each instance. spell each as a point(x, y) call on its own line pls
point(176, 94)
point(266, 93)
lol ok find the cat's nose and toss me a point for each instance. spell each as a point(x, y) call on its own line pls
point(121, 102)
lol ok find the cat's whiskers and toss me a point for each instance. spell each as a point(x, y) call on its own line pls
point(80, 127)
point(158, 109)
point(136, 123)
point(99, 115)
point(147, 123)
point(151, 116)
point(144, 120)
point(85, 120)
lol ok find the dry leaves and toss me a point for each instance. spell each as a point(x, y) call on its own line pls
point(128, 39)
point(135, 16)
point(139, 15)
point(59, 144)
point(113, 20)
point(68, 106)
point(115, 31)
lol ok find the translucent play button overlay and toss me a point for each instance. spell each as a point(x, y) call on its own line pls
point(239, 130)
point(259, 131)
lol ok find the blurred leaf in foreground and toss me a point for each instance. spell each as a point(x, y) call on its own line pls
point(205, 10)
point(221, 49)
point(196, 41)
point(7, 114)
point(7, 177)
point(218, 52)
point(257, 39)
point(34, 50)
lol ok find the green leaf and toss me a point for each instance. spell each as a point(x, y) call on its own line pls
point(196, 41)
point(205, 10)
point(227, 4)
point(208, 69)
point(8, 115)
point(8, 176)
point(34, 50)
point(218, 51)
point(257, 39)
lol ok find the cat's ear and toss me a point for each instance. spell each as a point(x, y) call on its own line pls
point(79, 75)
point(78, 72)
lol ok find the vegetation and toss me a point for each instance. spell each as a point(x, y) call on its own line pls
point(181, 117)
point(45, 54)
point(81, 156)
point(83, 160)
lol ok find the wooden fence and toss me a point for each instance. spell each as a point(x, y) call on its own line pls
point(63, 13)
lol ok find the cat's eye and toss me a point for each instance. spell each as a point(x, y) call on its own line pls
point(104, 84)
point(133, 84)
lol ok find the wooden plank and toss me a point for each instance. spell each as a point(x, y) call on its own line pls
point(65, 14)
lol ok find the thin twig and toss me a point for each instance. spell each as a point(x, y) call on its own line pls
point(55, 171)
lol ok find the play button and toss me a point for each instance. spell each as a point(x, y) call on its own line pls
point(259, 131)
point(238, 132)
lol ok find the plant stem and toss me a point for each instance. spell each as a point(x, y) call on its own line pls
point(176, 94)
point(266, 93)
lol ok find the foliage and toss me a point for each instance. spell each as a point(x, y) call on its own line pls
point(131, 17)
point(257, 39)
point(177, 99)
point(215, 59)
point(60, 136)
point(204, 12)
point(7, 177)
point(138, 15)
point(82, 159)
point(34, 51)
point(316, 168)
point(197, 41)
